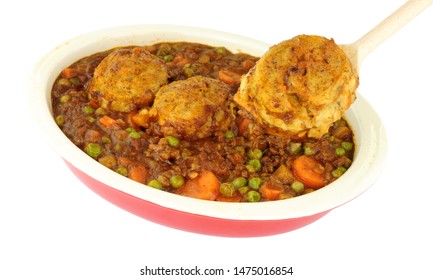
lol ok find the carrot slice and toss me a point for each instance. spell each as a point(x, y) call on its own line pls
point(235, 198)
point(142, 118)
point(69, 73)
point(94, 104)
point(181, 60)
point(271, 190)
point(229, 77)
point(309, 171)
point(123, 161)
point(138, 172)
point(205, 186)
point(107, 121)
point(243, 126)
point(247, 64)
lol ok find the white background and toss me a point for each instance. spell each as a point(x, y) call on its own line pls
point(53, 227)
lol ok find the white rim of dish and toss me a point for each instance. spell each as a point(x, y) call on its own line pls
point(370, 135)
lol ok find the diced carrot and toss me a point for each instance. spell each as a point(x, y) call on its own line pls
point(243, 126)
point(247, 64)
point(180, 60)
point(205, 186)
point(141, 118)
point(107, 121)
point(94, 104)
point(309, 171)
point(130, 119)
point(271, 190)
point(68, 73)
point(229, 77)
point(299, 137)
point(123, 161)
point(235, 198)
point(138, 172)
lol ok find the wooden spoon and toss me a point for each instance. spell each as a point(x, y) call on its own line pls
point(358, 50)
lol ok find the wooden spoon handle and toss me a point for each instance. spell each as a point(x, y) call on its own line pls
point(358, 50)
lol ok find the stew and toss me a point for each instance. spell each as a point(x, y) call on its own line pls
point(186, 135)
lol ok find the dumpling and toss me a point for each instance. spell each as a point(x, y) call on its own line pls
point(127, 79)
point(299, 87)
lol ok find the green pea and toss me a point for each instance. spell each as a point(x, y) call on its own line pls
point(239, 182)
point(250, 168)
point(243, 190)
point(220, 50)
point(340, 151)
point(229, 134)
point(177, 181)
point(122, 171)
point(172, 141)
point(91, 119)
point(254, 165)
point(255, 183)
point(255, 154)
point(135, 134)
point(227, 189)
point(101, 111)
point(297, 186)
point(308, 151)
point(155, 184)
point(106, 139)
point(188, 71)
point(93, 149)
point(75, 81)
point(60, 120)
point(65, 98)
point(118, 147)
point(348, 146)
point(285, 196)
point(294, 148)
point(161, 52)
point(253, 196)
point(338, 172)
point(168, 58)
point(88, 109)
point(63, 82)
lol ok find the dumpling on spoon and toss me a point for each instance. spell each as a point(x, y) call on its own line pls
point(299, 87)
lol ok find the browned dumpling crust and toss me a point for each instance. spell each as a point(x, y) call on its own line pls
point(300, 86)
point(128, 79)
point(194, 108)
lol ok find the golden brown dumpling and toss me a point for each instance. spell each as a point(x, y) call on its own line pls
point(194, 108)
point(300, 86)
point(127, 79)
